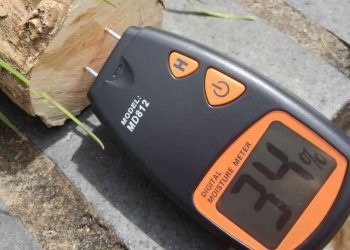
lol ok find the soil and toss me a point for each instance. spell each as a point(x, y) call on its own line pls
point(303, 30)
point(51, 209)
point(342, 240)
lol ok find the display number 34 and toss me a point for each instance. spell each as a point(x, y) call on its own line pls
point(284, 168)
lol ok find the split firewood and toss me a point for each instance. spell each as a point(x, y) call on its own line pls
point(51, 41)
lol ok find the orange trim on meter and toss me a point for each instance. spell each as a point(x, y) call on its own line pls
point(314, 212)
point(181, 65)
point(221, 89)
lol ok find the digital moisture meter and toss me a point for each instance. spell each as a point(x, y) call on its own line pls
point(252, 163)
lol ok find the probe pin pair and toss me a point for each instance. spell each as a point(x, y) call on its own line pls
point(113, 34)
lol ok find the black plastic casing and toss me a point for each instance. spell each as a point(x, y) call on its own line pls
point(180, 135)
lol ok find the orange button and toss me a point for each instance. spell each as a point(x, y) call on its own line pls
point(221, 89)
point(181, 65)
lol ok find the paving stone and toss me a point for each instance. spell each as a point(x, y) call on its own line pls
point(13, 236)
point(333, 15)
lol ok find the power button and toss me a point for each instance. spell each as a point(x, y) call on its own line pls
point(221, 89)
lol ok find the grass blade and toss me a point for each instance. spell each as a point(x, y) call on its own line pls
point(107, 2)
point(206, 12)
point(14, 72)
point(12, 126)
point(71, 116)
point(50, 100)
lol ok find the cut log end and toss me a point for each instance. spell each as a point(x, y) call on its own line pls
point(51, 42)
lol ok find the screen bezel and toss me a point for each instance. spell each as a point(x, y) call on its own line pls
point(314, 212)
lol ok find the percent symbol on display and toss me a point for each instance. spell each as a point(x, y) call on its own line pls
point(318, 159)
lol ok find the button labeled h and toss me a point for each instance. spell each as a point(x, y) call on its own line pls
point(180, 64)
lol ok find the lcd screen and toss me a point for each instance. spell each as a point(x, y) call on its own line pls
point(276, 183)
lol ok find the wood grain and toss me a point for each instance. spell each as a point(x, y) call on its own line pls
point(52, 41)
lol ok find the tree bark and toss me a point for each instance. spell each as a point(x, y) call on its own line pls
point(50, 41)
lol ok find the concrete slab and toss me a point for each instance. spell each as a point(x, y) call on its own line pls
point(333, 15)
point(266, 50)
point(13, 236)
point(124, 197)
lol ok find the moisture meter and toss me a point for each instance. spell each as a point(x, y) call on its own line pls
point(251, 162)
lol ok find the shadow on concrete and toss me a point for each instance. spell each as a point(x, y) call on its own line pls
point(114, 175)
point(5, 213)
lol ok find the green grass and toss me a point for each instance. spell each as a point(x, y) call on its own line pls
point(11, 125)
point(109, 2)
point(47, 98)
point(204, 11)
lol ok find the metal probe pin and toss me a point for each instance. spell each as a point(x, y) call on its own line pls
point(91, 71)
point(114, 34)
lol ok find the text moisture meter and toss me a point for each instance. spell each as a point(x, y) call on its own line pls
point(248, 160)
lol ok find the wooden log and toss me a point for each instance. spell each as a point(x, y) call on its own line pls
point(50, 42)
